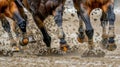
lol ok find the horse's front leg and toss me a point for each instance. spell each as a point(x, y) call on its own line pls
point(111, 17)
point(84, 15)
point(13, 13)
point(61, 35)
point(24, 15)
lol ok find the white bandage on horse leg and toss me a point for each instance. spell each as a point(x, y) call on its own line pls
point(60, 32)
point(111, 31)
point(104, 34)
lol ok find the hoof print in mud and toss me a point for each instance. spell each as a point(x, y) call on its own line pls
point(93, 53)
point(24, 41)
point(111, 46)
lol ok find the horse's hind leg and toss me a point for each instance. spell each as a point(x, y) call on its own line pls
point(61, 34)
point(111, 17)
point(46, 37)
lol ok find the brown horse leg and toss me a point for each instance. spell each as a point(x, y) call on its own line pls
point(58, 19)
point(46, 37)
point(13, 13)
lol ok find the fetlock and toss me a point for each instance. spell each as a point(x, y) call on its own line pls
point(23, 26)
point(89, 34)
point(62, 41)
point(63, 45)
point(81, 35)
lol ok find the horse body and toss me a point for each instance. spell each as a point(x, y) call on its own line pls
point(84, 8)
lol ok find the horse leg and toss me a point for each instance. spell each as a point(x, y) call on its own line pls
point(111, 17)
point(22, 13)
point(46, 37)
point(61, 34)
point(13, 13)
point(81, 35)
point(89, 29)
point(104, 22)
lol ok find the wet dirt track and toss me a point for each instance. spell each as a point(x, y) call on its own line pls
point(74, 59)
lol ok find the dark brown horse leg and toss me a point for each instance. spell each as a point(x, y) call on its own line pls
point(111, 17)
point(61, 35)
point(46, 37)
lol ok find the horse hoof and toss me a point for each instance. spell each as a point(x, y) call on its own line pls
point(111, 46)
point(80, 40)
point(24, 41)
point(104, 43)
point(64, 47)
